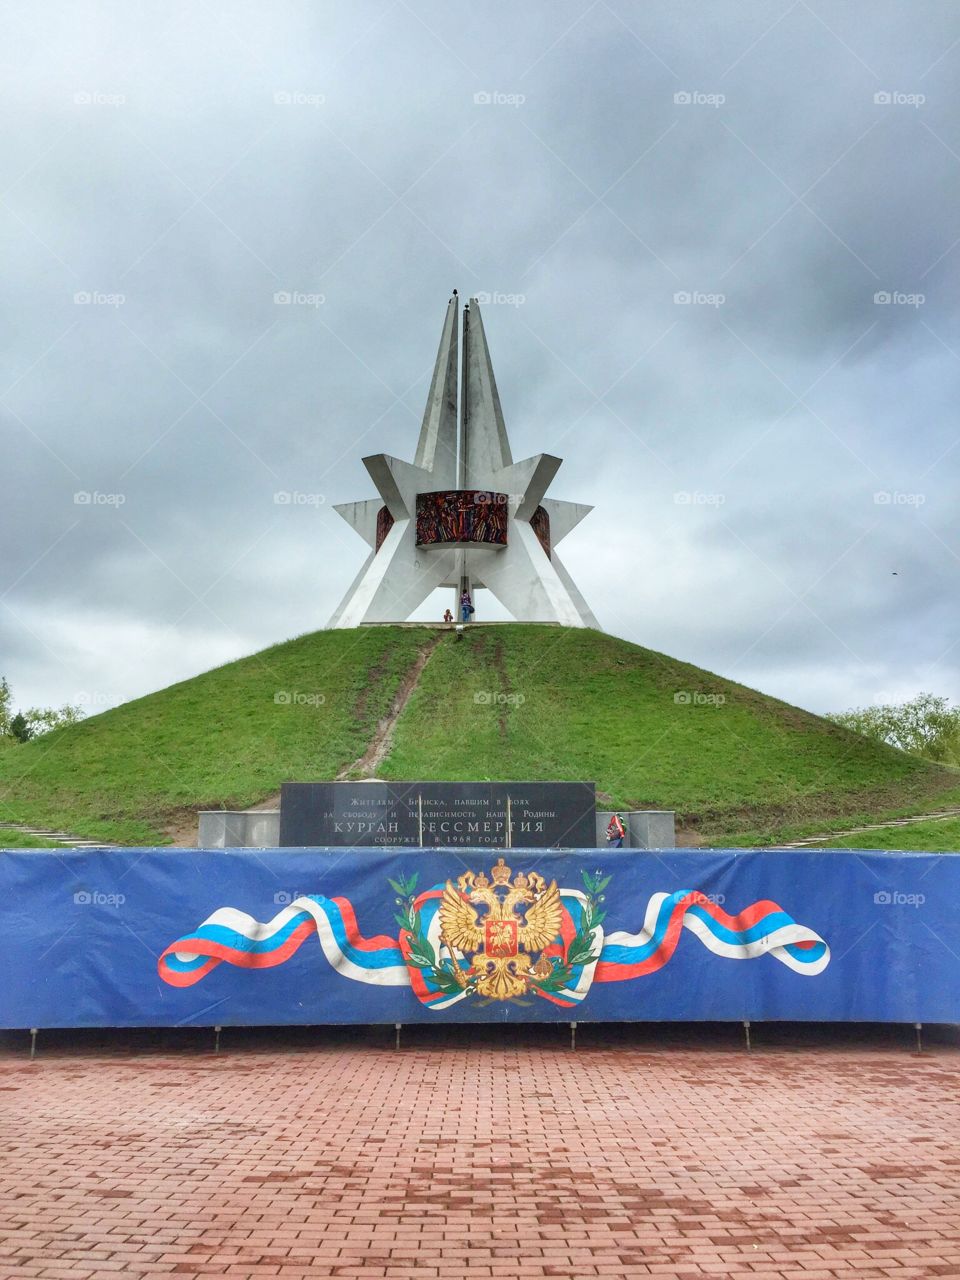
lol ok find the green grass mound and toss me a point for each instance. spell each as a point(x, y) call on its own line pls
point(516, 701)
point(653, 732)
point(943, 835)
point(226, 738)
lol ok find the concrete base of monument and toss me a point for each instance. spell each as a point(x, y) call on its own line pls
point(646, 828)
point(239, 829)
point(449, 626)
point(260, 828)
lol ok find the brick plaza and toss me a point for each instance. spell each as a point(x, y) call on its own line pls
point(494, 1153)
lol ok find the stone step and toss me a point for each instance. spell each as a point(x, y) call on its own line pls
point(60, 837)
point(875, 826)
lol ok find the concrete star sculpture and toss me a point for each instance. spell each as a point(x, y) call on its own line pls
point(463, 515)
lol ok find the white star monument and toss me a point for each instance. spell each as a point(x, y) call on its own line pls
point(463, 515)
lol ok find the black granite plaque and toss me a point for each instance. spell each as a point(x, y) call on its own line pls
point(535, 815)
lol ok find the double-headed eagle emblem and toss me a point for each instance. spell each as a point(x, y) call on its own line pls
point(503, 940)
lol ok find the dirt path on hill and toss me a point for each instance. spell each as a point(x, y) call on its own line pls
point(379, 746)
point(182, 829)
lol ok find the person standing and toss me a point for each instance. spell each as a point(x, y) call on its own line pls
point(466, 605)
point(448, 616)
point(615, 832)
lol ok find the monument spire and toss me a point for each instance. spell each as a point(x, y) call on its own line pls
point(480, 521)
point(437, 446)
point(484, 446)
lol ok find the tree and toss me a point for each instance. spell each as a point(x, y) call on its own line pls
point(5, 710)
point(24, 725)
point(924, 726)
point(19, 728)
point(43, 719)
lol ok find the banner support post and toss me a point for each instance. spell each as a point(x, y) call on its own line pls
point(397, 1026)
point(918, 1027)
point(746, 1034)
point(573, 1035)
point(33, 1042)
point(216, 1040)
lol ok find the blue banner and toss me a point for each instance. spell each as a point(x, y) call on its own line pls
point(184, 937)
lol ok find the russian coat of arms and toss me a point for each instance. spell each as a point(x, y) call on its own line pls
point(501, 941)
point(501, 936)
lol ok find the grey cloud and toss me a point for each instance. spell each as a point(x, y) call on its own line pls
point(340, 152)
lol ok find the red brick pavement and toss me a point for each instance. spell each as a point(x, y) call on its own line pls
point(483, 1155)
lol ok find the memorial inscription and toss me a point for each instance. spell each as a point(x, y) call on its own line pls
point(501, 815)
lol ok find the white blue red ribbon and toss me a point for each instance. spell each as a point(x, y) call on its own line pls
point(233, 937)
point(761, 929)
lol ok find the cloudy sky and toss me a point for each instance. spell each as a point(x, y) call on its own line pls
point(724, 242)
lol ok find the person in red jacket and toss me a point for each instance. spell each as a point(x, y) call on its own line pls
point(616, 832)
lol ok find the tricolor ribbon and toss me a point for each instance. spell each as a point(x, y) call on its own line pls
point(761, 929)
point(233, 937)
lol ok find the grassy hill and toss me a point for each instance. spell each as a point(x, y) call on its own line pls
point(942, 834)
point(515, 701)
